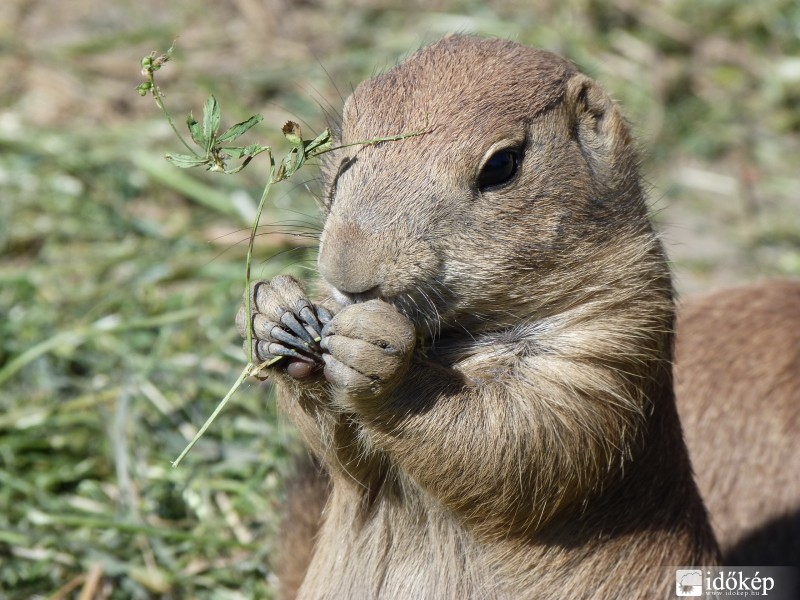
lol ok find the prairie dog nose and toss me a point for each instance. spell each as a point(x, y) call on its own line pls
point(353, 261)
point(345, 298)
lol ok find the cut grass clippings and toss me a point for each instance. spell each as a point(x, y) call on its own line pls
point(120, 275)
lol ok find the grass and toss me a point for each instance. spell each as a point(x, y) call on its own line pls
point(120, 275)
point(117, 343)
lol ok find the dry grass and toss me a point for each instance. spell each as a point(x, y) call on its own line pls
point(120, 275)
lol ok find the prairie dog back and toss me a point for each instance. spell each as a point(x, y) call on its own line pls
point(737, 380)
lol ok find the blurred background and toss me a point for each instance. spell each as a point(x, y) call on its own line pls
point(120, 275)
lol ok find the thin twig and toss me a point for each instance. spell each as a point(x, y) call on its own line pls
point(248, 371)
point(249, 258)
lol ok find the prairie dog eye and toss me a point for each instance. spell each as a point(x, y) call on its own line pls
point(500, 168)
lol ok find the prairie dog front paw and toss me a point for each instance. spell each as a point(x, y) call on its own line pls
point(367, 348)
point(284, 323)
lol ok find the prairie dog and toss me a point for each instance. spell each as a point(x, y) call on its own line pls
point(737, 382)
point(493, 397)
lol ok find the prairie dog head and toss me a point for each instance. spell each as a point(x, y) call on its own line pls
point(521, 200)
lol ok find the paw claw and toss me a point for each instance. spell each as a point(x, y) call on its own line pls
point(281, 350)
point(308, 316)
point(292, 323)
point(287, 338)
point(324, 315)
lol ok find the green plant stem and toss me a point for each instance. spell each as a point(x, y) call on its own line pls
point(249, 258)
point(160, 102)
point(391, 138)
point(248, 371)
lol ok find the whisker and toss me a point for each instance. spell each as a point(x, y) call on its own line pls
point(434, 322)
point(304, 236)
point(312, 220)
point(300, 225)
point(335, 87)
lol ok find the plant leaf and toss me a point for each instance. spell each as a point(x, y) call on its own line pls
point(290, 163)
point(235, 131)
point(186, 161)
point(195, 130)
point(211, 119)
point(252, 150)
point(321, 143)
point(171, 49)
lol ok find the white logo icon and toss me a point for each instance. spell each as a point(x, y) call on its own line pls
point(689, 583)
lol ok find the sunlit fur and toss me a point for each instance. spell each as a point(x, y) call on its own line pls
point(533, 445)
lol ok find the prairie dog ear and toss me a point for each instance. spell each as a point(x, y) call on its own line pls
point(599, 129)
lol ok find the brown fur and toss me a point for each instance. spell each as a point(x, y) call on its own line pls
point(306, 494)
point(738, 394)
point(738, 388)
point(531, 442)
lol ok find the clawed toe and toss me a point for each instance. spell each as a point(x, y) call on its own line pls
point(281, 350)
point(288, 339)
point(308, 316)
point(292, 323)
point(324, 315)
